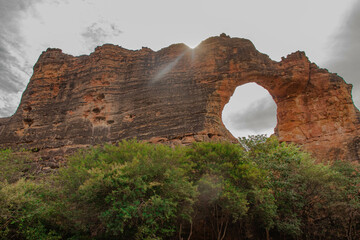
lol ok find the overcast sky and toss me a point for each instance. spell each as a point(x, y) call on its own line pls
point(327, 30)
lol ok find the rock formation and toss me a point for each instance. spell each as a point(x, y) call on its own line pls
point(176, 95)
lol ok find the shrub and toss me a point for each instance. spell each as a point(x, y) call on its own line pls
point(131, 191)
point(25, 211)
point(12, 166)
point(258, 189)
point(311, 198)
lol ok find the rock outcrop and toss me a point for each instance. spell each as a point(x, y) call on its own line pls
point(177, 95)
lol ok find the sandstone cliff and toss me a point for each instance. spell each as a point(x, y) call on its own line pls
point(177, 95)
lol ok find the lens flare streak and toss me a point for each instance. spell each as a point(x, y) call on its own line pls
point(165, 70)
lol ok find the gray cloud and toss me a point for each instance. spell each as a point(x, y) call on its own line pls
point(8, 102)
point(97, 33)
point(94, 33)
point(258, 117)
point(14, 70)
point(7, 111)
point(345, 58)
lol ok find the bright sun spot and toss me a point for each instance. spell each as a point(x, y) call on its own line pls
point(192, 45)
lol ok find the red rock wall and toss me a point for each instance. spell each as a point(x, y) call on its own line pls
point(177, 95)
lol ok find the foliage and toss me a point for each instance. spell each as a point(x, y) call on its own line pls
point(133, 190)
point(12, 167)
point(25, 211)
point(258, 189)
point(346, 203)
point(311, 198)
point(231, 188)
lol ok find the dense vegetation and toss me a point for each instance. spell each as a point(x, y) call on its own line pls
point(258, 189)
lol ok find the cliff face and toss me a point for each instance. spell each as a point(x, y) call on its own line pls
point(177, 95)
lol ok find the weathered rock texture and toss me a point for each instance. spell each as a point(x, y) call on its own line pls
point(177, 95)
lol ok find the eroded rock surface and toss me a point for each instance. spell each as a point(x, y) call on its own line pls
point(177, 95)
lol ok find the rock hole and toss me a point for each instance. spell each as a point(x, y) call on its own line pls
point(96, 110)
point(250, 111)
point(28, 121)
point(101, 96)
point(27, 109)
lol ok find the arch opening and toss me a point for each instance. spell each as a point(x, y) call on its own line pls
point(250, 111)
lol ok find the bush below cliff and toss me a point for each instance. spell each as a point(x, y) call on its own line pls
point(258, 189)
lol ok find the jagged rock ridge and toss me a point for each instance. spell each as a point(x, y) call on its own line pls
point(177, 95)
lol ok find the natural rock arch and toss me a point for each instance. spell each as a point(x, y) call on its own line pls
point(177, 95)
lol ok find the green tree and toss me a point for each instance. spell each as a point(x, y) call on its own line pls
point(133, 191)
point(231, 189)
point(311, 198)
point(258, 189)
point(346, 210)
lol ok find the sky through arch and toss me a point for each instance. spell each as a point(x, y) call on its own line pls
point(250, 111)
